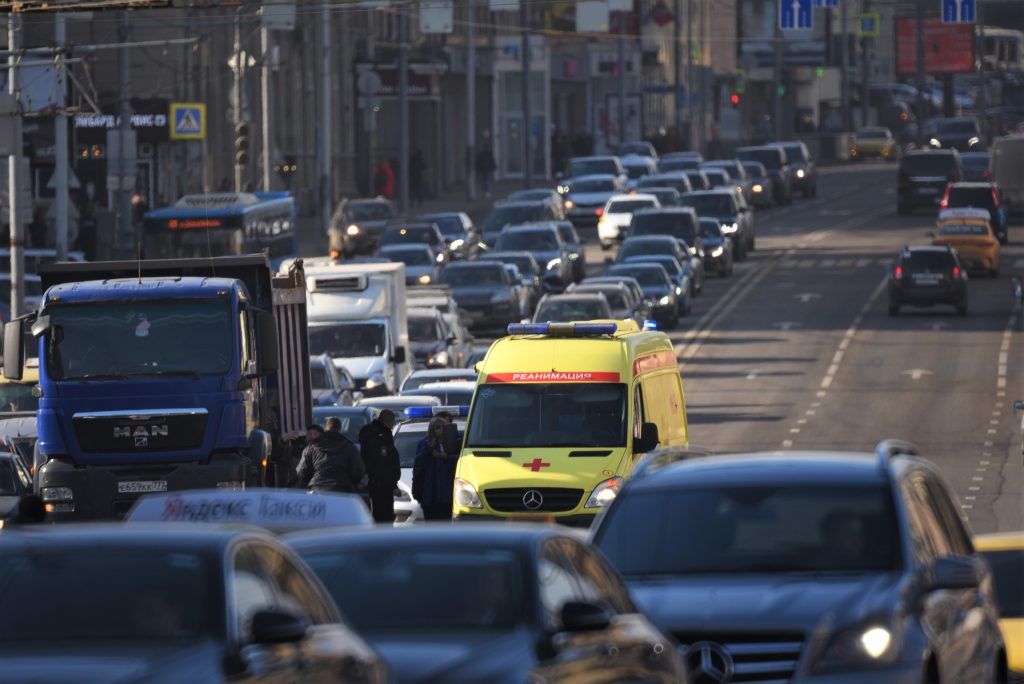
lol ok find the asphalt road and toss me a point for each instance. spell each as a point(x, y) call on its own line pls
point(797, 350)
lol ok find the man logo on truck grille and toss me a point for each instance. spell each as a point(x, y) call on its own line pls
point(140, 431)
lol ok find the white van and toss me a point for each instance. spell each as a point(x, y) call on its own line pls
point(1008, 171)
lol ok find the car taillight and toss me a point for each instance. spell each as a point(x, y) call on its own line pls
point(945, 198)
point(897, 273)
point(599, 212)
point(995, 197)
point(956, 273)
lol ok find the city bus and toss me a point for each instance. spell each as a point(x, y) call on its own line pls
point(222, 224)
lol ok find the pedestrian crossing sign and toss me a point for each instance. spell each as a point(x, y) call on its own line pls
point(188, 121)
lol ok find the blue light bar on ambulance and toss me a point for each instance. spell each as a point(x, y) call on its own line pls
point(414, 412)
point(563, 329)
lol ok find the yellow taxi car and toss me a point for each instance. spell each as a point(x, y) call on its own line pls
point(969, 232)
point(1005, 554)
point(874, 142)
point(561, 413)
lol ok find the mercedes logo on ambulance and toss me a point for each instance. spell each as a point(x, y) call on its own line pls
point(533, 499)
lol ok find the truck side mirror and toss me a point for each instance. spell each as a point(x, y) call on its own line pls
point(14, 353)
point(266, 335)
point(399, 355)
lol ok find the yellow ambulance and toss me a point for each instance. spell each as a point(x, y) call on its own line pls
point(561, 413)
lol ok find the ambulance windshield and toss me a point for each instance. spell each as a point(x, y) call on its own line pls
point(556, 414)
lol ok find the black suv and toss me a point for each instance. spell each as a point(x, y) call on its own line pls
point(926, 276)
point(777, 163)
point(808, 567)
point(923, 177)
point(805, 173)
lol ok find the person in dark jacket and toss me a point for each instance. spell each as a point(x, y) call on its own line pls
point(433, 473)
point(331, 463)
point(382, 465)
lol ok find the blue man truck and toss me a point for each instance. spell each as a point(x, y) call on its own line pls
point(162, 375)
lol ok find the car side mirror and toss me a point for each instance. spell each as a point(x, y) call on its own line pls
point(950, 572)
point(584, 616)
point(648, 439)
point(14, 352)
point(398, 356)
point(277, 627)
point(266, 332)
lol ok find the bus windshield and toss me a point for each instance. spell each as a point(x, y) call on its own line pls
point(548, 415)
point(113, 340)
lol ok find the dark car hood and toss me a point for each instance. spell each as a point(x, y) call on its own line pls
point(376, 226)
point(778, 602)
point(712, 242)
point(474, 294)
point(95, 664)
point(455, 655)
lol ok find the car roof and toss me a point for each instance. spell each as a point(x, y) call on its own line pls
point(408, 247)
point(343, 411)
point(423, 312)
point(767, 468)
point(441, 372)
point(449, 385)
point(651, 238)
point(510, 535)
point(207, 537)
point(625, 196)
point(504, 204)
point(945, 152)
point(370, 200)
point(590, 176)
point(475, 263)
point(441, 214)
point(398, 400)
point(973, 184)
point(925, 248)
point(602, 157)
point(573, 297)
point(530, 228)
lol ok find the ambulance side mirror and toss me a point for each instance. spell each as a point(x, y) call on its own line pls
point(648, 439)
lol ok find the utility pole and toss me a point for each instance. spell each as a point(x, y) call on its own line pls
point(844, 64)
point(622, 76)
point(470, 101)
point(703, 79)
point(60, 140)
point(326, 120)
point(526, 134)
point(919, 28)
point(865, 60)
point(267, 154)
point(125, 186)
point(689, 74)
point(13, 173)
point(236, 97)
point(777, 82)
point(677, 65)
point(403, 107)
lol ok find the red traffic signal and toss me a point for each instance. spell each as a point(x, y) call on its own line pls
point(734, 99)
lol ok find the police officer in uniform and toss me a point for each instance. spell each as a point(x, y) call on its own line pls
point(382, 464)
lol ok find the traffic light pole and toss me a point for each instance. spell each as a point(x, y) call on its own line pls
point(14, 168)
point(267, 154)
point(236, 97)
point(127, 242)
point(60, 143)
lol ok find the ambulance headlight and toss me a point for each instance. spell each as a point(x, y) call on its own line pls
point(605, 493)
point(465, 494)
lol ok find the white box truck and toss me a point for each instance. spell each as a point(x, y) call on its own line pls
point(357, 315)
point(1008, 171)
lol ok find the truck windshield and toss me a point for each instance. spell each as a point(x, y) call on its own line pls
point(348, 340)
point(113, 340)
point(583, 414)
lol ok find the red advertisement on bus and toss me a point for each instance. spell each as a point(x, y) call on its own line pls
point(948, 48)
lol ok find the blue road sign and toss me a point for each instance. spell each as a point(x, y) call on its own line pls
point(967, 11)
point(958, 11)
point(795, 14)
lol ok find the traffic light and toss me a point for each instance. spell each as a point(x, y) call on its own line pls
point(241, 143)
point(286, 169)
point(734, 100)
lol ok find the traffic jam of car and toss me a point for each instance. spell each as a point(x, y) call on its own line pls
point(375, 465)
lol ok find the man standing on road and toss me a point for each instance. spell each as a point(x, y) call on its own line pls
point(382, 464)
point(331, 463)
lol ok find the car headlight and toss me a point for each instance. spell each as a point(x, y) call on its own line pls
point(730, 228)
point(569, 204)
point(554, 263)
point(440, 257)
point(423, 279)
point(439, 359)
point(800, 173)
point(605, 493)
point(353, 230)
point(718, 251)
point(456, 244)
point(57, 494)
point(465, 494)
point(758, 187)
point(934, 142)
point(864, 645)
point(971, 142)
point(679, 291)
point(375, 380)
point(693, 251)
point(665, 301)
point(563, 189)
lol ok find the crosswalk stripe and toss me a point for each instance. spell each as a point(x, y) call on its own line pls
point(861, 263)
point(787, 263)
point(807, 263)
point(828, 263)
point(844, 263)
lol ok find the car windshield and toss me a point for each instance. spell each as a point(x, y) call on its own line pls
point(351, 423)
point(927, 262)
point(872, 134)
point(631, 248)
point(527, 265)
point(755, 169)
point(668, 263)
point(957, 126)
point(717, 177)
point(955, 229)
point(753, 529)
point(587, 167)
point(1007, 571)
point(771, 158)
point(76, 596)
point(601, 185)
point(633, 148)
point(528, 240)
point(928, 164)
point(677, 183)
point(573, 310)
point(410, 257)
point(413, 234)
point(450, 224)
point(981, 197)
point(110, 340)
point(406, 442)
point(369, 211)
point(976, 162)
point(530, 195)
point(710, 229)
point(678, 164)
point(713, 204)
point(319, 378)
point(667, 197)
point(472, 587)
point(795, 153)
point(616, 297)
point(679, 225)
point(629, 206)
point(635, 171)
point(558, 414)
point(15, 396)
point(422, 329)
point(347, 340)
point(482, 275)
point(512, 215)
point(645, 275)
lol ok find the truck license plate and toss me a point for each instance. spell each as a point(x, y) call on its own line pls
point(142, 486)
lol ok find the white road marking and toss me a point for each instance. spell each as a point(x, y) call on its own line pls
point(786, 326)
point(806, 297)
point(916, 373)
point(936, 327)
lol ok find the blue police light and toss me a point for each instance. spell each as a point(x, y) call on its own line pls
point(423, 412)
point(456, 411)
point(419, 412)
point(563, 329)
point(650, 325)
point(527, 328)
